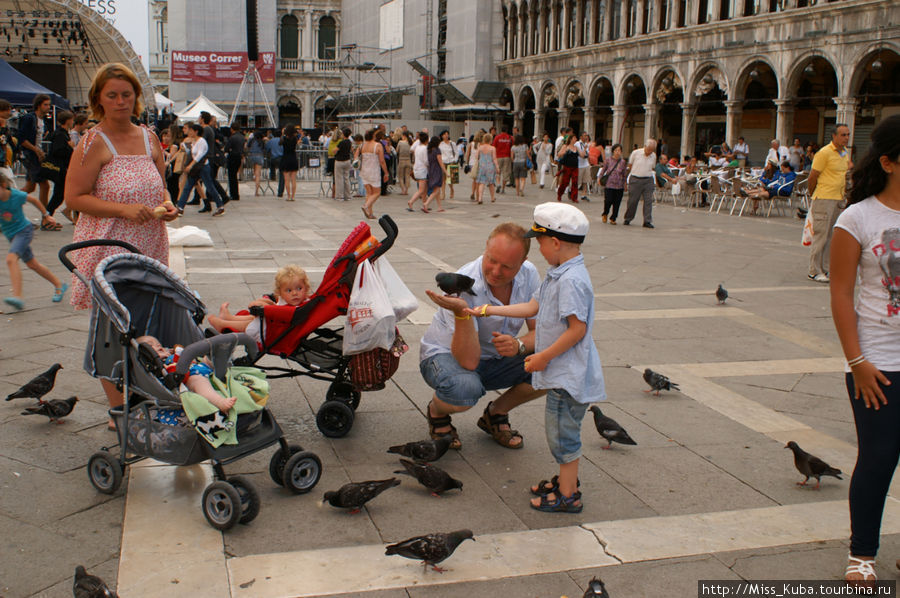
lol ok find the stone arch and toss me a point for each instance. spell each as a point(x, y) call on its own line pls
point(601, 99)
point(718, 73)
point(623, 91)
point(742, 79)
point(290, 110)
point(657, 83)
point(525, 92)
point(861, 62)
point(549, 94)
point(795, 73)
point(599, 86)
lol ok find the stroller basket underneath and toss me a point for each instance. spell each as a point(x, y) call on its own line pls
point(321, 350)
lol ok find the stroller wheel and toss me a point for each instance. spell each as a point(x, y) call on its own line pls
point(345, 392)
point(302, 472)
point(221, 505)
point(276, 463)
point(105, 472)
point(250, 501)
point(334, 419)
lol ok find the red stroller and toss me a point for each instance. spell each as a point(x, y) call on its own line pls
point(296, 333)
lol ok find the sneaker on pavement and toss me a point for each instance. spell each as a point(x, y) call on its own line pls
point(821, 278)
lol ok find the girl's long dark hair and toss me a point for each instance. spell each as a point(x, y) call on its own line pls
point(868, 177)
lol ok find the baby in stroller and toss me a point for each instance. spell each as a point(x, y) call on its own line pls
point(291, 288)
point(197, 379)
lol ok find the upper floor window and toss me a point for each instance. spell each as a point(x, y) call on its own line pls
point(327, 38)
point(290, 37)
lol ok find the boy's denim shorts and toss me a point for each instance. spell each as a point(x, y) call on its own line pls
point(562, 423)
point(20, 244)
point(458, 386)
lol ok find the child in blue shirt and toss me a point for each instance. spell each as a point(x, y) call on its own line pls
point(17, 228)
point(565, 361)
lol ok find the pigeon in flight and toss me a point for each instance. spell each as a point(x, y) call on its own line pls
point(90, 586)
point(38, 386)
point(431, 549)
point(54, 409)
point(354, 495)
point(454, 284)
point(434, 478)
point(424, 450)
point(610, 429)
point(721, 294)
point(658, 382)
point(596, 589)
point(810, 465)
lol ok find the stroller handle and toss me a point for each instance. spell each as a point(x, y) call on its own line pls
point(219, 349)
point(390, 228)
point(65, 249)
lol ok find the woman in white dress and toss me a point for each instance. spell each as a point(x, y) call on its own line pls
point(373, 170)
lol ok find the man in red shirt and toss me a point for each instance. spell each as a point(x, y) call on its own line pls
point(503, 144)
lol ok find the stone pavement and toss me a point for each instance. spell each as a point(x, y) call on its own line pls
point(708, 493)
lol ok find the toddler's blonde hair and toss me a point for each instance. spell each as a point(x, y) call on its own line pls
point(288, 273)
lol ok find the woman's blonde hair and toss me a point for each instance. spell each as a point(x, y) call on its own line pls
point(487, 138)
point(113, 70)
point(288, 273)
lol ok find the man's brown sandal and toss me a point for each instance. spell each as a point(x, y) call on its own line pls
point(491, 424)
point(442, 422)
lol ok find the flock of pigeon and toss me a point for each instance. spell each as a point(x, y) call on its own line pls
point(36, 388)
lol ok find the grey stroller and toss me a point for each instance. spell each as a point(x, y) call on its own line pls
point(135, 295)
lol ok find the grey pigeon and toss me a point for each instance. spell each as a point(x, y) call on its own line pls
point(658, 382)
point(431, 548)
point(721, 294)
point(90, 586)
point(54, 409)
point(434, 478)
point(424, 450)
point(596, 589)
point(610, 429)
point(454, 284)
point(354, 495)
point(38, 386)
point(810, 465)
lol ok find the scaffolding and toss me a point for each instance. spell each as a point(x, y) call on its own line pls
point(366, 85)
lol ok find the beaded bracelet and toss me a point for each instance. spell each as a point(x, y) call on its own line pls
point(856, 361)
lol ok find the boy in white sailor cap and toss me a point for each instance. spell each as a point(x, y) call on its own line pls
point(565, 361)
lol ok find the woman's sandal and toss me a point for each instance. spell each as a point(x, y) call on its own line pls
point(53, 227)
point(491, 424)
point(442, 422)
point(863, 567)
point(560, 504)
point(544, 487)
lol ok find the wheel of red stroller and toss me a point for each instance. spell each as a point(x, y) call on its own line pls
point(105, 472)
point(334, 419)
point(250, 501)
point(302, 472)
point(222, 505)
point(276, 463)
point(343, 391)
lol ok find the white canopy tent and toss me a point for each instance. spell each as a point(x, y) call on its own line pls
point(192, 112)
point(163, 102)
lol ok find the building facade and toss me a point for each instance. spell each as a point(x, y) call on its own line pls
point(696, 72)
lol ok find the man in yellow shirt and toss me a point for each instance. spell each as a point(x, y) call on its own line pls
point(827, 180)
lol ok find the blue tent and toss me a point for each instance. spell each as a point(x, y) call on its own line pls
point(18, 89)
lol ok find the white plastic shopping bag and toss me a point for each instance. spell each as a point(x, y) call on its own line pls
point(676, 189)
point(807, 237)
point(370, 317)
point(188, 236)
point(401, 298)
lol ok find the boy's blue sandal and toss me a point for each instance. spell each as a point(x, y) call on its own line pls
point(560, 504)
point(544, 487)
point(15, 302)
point(58, 295)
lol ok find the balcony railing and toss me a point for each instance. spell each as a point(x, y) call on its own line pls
point(307, 65)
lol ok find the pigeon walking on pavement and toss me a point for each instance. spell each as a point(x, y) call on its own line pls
point(90, 586)
point(354, 495)
point(434, 478)
point(721, 294)
point(810, 465)
point(610, 429)
point(424, 450)
point(454, 284)
point(54, 409)
point(658, 382)
point(596, 589)
point(431, 549)
point(38, 386)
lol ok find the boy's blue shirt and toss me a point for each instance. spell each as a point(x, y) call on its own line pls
point(12, 216)
point(567, 290)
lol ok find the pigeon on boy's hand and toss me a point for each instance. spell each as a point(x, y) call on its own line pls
point(434, 478)
point(596, 589)
point(658, 382)
point(610, 428)
point(454, 284)
point(90, 586)
point(721, 294)
point(810, 465)
point(53, 409)
point(424, 450)
point(38, 386)
point(431, 548)
point(355, 494)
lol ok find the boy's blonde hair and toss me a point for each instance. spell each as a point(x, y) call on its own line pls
point(287, 273)
point(6, 182)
